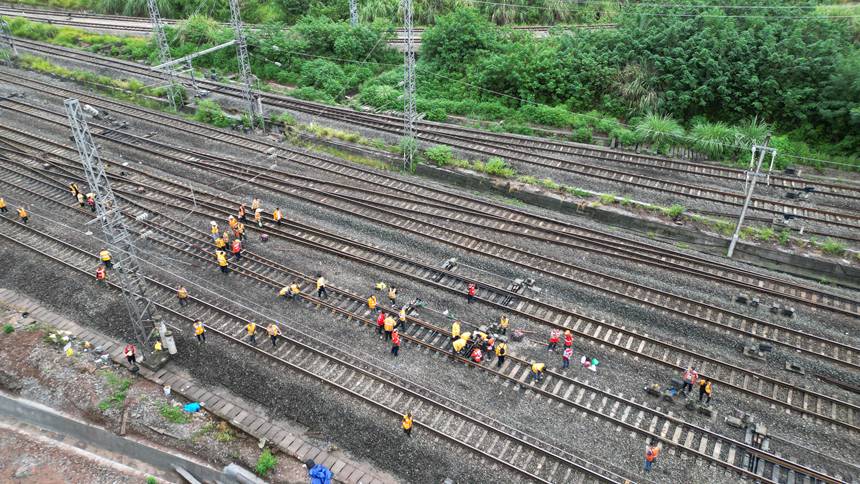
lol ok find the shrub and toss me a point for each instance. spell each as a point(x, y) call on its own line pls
point(577, 192)
point(675, 210)
point(549, 184)
point(498, 167)
point(440, 155)
point(8, 328)
point(528, 179)
point(765, 234)
point(312, 94)
point(210, 112)
point(436, 114)
point(832, 247)
point(265, 463)
point(151, 480)
point(286, 118)
point(174, 414)
point(582, 135)
point(785, 237)
point(607, 199)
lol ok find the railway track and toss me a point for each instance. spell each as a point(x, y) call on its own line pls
point(474, 211)
point(721, 319)
point(773, 391)
point(526, 455)
point(588, 161)
point(628, 414)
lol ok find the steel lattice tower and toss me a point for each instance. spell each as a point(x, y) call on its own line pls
point(6, 36)
point(141, 311)
point(244, 64)
point(409, 88)
point(173, 87)
point(353, 12)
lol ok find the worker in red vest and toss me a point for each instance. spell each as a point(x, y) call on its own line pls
point(568, 338)
point(472, 291)
point(101, 274)
point(395, 342)
point(130, 353)
point(554, 336)
point(651, 453)
point(380, 322)
point(236, 249)
point(477, 355)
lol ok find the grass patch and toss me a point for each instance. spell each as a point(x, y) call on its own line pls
point(498, 167)
point(8, 328)
point(265, 463)
point(607, 199)
point(577, 192)
point(174, 414)
point(549, 184)
point(626, 201)
point(682, 245)
point(151, 480)
point(225, 433)
point(675, 210)
point(832, 247)
point(784, 237)
point(439, 155)
point(119, 387)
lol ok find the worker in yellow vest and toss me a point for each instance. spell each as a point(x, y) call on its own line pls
point(392, 295)
point(274, 331)
point(200, 331)
point(3, 208)
point(401, 319)
point(214, 231)
point(221, 256)
point(220, 244)
point(321, 286)
point(371, 303)
point(503, 324)
point(182, 295)
point(277, 216)
point(23, 215)
point(105, 257)
point(388, 326)
point(537, 372)
point(251, 328)
point(406, 423)
point(455, 330)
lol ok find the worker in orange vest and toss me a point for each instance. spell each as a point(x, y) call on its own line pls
point(395, 342)
point(651, 453)
point(23, 215)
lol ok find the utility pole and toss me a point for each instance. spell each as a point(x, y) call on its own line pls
point(410, 143)
point(752, 175)
point(245, 66)
point(141, 311)
point(173, 87)
point(6, 35)
point(353, 12)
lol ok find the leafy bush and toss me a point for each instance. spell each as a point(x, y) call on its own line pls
point(381, 97)
point(548, 183)
point(436, 114)
point(440, 155)
point(498, 167)
point(210, 112)
point(265, 463)
point(785, 237)
point(607, 199)
point(312, 94)
point(675, 210)
point(8, 328)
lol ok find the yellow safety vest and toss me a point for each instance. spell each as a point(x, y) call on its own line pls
point(273, 330)
point(2, 203)
point(22, 213)
point(251, 328)
point(538, 367)
point(198, 328)
point(295, 289)
point(455, 329)
point(283, 291)
point(407, 422)
point(388, 324)
point(182, 293)
point(403, 315)
point(371, 302)
point(277, 215)
point(105, 255)
point(321, 282)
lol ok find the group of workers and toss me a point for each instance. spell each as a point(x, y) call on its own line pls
point(23, 215)
point(481, 344)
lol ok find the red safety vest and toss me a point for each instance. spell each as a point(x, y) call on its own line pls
point(477, 355)
point(691, 376)
point(395, 339)
point(129, 348)
point(651, 454)
point(568, 340)
point(237, 246)
point(554, 336)
point(100, 273)
point(380, 320)
point(472, 290)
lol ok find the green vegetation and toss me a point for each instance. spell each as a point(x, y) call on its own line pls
point(174, 414)
point(683, 81)
point(832, 247)
point(675, 211)
point(265, 463)
point(119, 387)
point(607, 199)
point(8, 328)
point(443, 156)
point(210, 112)
point(151, 480)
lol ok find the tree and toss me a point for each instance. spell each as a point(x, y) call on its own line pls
point(458, 40)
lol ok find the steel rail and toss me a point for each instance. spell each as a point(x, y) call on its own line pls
point(462, 140)
point(840, 413)
point(410, 389)
point(557, 229)
point(188, 244)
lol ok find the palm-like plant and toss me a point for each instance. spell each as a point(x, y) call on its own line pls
point(714, 140)
point(385, 10)
point(633, 85)
point(661, 131)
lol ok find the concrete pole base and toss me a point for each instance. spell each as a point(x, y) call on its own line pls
point(156, 360)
